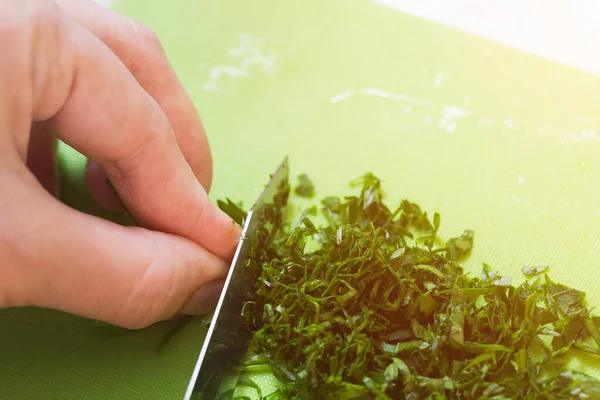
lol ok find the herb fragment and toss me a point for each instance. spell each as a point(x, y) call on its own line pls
point(232, 209)
point(305, 187)
point(534, 271)
point(366, 306)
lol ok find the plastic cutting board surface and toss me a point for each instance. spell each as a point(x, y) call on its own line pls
point(495, 140)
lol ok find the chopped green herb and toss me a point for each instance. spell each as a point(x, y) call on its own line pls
point(234, 210)
point(534, 271)
point(305, 187)
point(370, 305)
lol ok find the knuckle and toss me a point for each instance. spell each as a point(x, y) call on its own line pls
point(135, 158)
point(145, 49)
point(30, 15)
point(197, 219)
point(34, 34)
point(145, 37)
point(46, 14)
point(154, 296)
point(141, 309)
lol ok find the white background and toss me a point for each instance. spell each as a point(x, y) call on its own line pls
point(566, 31)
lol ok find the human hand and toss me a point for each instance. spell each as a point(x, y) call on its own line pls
point(101, 83)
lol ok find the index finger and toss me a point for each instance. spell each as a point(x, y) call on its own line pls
point(140, 51)
point(112, 120)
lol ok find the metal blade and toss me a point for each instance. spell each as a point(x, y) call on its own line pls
point(226, 343)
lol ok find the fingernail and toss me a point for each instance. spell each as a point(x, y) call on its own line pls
point(205, 299)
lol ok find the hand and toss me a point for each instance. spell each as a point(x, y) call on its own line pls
point(101, 83)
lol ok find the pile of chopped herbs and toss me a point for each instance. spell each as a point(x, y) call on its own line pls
point(372, 304)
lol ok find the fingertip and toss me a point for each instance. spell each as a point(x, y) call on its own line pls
point(232, 233)
point(236, 234)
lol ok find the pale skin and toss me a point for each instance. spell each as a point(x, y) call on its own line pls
point(101, 83)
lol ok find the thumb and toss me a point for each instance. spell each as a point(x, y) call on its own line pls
point(58, 258)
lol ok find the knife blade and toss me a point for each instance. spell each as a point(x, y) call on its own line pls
point(221, 357)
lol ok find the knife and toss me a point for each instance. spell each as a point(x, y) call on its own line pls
point(222, 355)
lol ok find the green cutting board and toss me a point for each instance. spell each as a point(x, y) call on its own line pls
point(495, 140)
